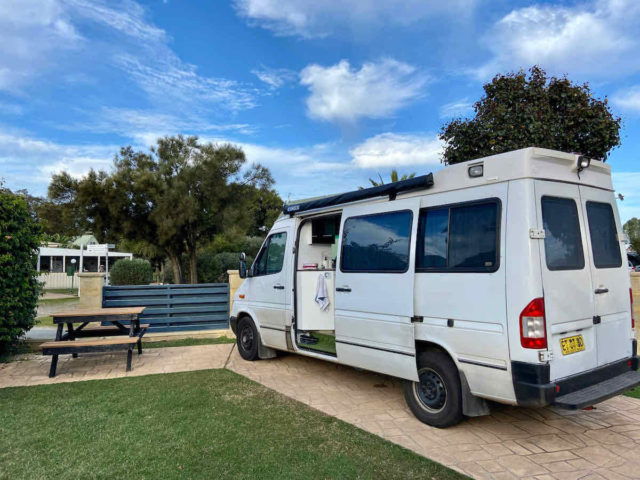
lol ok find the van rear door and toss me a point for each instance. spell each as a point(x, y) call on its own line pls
point(566, 279)
point(610, 278)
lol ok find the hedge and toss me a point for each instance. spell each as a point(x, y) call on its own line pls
point(131, 272)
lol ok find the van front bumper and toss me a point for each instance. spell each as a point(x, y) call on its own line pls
point(534, 389)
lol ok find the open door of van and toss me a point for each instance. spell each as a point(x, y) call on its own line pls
point(374, 292)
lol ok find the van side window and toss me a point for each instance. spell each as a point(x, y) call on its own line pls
point(604, 235)
point(271, 256)
point(459, 238)
point(377, 243)
point(562, 243)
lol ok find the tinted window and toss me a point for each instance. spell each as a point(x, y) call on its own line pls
point(604, 236)
point(275, 257)
point(271, 256)
point(459, 238)
point(376, 243)
point(434, 229)
point(562, 243)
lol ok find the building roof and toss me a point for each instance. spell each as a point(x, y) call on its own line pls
point(84, 240)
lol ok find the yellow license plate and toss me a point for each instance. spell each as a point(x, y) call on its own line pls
point(572, 344)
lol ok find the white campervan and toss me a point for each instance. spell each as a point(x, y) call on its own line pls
point(502, 279)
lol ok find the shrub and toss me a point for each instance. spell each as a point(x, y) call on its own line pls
point(131, 272)
point(20, 236)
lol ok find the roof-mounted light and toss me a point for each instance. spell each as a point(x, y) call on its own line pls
point(583, 162)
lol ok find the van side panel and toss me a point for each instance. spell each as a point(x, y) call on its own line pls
point(464, 312)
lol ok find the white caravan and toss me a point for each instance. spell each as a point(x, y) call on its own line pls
point(502, 279)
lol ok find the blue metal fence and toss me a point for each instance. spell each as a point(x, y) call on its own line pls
point(174, 307)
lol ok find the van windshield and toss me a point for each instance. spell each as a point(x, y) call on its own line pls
point(604, 236)
point(563, 242)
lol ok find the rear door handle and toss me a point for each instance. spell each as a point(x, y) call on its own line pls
point(279, 287)
point(343, 289)
point(601, 290)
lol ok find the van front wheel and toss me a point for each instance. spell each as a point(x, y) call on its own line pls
point(436, 399)
point(247, 339)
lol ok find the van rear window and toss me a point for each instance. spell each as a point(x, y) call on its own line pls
point(562, 243)
point(604, 236)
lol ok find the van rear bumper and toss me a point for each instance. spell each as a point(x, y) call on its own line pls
point(533, 387)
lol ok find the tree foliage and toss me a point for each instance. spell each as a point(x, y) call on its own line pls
point(19, 289)
point(171, 200)
point(393, 176)
point(131, 272)
point(519, 111)
point(632, 229)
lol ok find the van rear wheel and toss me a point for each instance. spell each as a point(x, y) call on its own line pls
point(436, 399)
point(247, 339)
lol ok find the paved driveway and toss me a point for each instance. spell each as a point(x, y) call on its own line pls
point(512, 443)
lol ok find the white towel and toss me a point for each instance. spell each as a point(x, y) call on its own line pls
point(322, 299)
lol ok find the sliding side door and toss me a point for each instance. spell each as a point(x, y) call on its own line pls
point(374, 288)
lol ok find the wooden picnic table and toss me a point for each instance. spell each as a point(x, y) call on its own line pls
point(65, 343)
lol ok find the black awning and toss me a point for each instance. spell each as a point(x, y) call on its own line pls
point(390, 189)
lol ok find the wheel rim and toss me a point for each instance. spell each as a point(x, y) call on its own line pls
point(430, 390)
point(246, 338)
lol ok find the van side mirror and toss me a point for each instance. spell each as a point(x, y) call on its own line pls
point(242, 268)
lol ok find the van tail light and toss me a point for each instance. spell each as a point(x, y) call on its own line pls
point(533, 329)
point(633, 320)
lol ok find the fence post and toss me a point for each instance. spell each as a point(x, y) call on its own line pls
point(90, 289)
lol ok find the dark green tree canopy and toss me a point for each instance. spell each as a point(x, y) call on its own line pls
point(519, 111)
point(632, 229)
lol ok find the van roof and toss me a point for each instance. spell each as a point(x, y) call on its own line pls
point(532, 162)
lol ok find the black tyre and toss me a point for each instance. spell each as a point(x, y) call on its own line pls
point(248, 339)
point(436, 399)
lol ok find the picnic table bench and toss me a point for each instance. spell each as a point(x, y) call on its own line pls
point(121, 336)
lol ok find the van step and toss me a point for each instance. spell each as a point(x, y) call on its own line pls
point(600, 391)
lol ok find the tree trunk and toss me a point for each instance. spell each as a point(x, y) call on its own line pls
point(193, 265)
point(176, 266)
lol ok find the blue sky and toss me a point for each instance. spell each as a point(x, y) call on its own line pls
point(326, 94)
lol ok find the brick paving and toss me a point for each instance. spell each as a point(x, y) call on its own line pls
point(512, 443)
point(34, 370)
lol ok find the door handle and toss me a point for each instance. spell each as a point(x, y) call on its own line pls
point(601, 290)
point(279, 287)
point(343, 289)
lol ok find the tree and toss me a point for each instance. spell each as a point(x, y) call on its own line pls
point(19, 288)
point(393, 176)
point(169, 200)
point(517, 111)
point(632, 229)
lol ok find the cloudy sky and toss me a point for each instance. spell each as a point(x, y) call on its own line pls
point(325, 93)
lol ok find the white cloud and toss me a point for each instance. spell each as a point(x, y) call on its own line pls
point(313, 18)
point(457, 108)
point(31, 31)
point(627, 183)
point(30, 162)
point(595, 38)
point(275, 77)
point(376, 90)
point(37, 33)
point(628, 99)
point(394, 150)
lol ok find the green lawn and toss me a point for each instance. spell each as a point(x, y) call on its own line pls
point(634, 392)
point(56, 301)
point(73, 291)
point(46, 321)
point(187, 342)
point(204, 424)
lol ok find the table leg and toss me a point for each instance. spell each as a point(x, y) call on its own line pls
point(54, 358)
point(140, 346)
point(129, 354)
point(72, 336)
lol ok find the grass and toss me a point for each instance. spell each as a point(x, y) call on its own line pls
point(204, 424)
point(187, 342)
point(46, 321)
point(68, 291)
point(634, 392)
point(55, 301)
point(326, 343)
